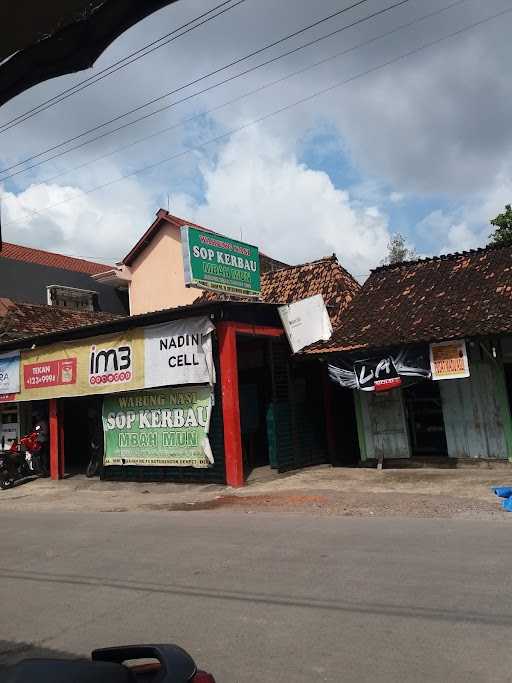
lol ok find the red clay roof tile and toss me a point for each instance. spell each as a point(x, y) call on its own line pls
point(456, 295)
point(16, 252)
point(286, 285)
point(21, 320)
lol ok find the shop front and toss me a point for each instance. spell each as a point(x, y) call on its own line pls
point(439, 400)
point(207, 396)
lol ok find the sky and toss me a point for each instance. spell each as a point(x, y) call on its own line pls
point(391, 125)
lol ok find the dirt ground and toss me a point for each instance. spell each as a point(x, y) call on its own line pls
point(424, 492)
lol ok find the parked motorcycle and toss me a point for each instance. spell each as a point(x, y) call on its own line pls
point(22, 460)
point(95, 463)
point(158, 663)
point(96, 442)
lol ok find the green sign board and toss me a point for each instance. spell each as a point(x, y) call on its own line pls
point(158, 427)
point(212, 261)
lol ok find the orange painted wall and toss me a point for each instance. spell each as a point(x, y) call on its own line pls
point(157, 275)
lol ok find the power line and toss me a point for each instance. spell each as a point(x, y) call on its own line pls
point(195, 94)
point(287, 107)
point(187, 85)
point(259, 89)
point(120, 64)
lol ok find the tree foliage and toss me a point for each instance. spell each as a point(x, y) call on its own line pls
point(502, 236)
point(398, 250)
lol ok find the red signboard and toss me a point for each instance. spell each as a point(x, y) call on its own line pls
point(387, 383)
point(5, 398)
point(51, 373)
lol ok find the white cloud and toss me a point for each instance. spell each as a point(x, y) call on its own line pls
point(467, 226)
point(422, 125)
point(98, 225)
point(258, 188)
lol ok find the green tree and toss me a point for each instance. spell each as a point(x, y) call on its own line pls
point(398, 250)
point(502, 236)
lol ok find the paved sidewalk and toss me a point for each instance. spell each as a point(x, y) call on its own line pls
point(324, 490)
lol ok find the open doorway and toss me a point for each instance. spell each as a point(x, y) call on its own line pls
point(254, 386)
point(508, 381)
point(346, 442)
point(82, 419)
point(425, 419)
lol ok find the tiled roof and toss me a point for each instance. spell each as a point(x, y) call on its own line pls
point(20, 320)
point(266, 262)
point(16, 252)
point(458, 295)
point(293, 283)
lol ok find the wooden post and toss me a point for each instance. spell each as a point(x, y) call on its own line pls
point(54, 438)
point(230, 404)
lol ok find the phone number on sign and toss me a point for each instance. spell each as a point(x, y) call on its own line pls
point(40, 379)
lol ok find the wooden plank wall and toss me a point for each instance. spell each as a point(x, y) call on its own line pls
point(384, 425)
point(476, 413)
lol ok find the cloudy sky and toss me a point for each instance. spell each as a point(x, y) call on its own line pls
point(368, 132)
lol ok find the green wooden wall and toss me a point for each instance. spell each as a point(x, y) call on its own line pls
point(382, 426)
point(476, 413)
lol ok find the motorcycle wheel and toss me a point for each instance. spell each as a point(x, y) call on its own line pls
point(6, 483)
point(92, 468)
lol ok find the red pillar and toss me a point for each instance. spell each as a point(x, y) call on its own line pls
point(230, 404)
point(54, 438)
point(61, 438)
point(329, 417)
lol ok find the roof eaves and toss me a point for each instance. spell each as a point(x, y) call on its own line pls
point(143, 241)
point(128, 322)
point(175, 221)
point(22, 253)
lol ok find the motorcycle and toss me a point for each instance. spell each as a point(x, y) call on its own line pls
point(158, 663)
point(96, 461)
point(22, 460)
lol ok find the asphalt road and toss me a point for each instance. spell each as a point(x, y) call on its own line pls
point(264, 597)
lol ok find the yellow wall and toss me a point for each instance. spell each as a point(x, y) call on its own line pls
point(157, 275)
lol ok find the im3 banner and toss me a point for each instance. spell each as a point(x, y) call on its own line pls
point(175, 353)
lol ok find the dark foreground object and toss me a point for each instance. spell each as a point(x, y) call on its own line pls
point(156, 663)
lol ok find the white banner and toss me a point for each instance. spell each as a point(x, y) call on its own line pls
point(179, 352)
point(10, 372)
point(305, 322)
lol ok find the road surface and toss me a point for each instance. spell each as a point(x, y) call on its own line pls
point(264, 596)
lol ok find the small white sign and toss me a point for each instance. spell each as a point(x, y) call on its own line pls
point(10, 372)
point(449, 360)
point(8, 432)
point(179, 352)
point(306, 322)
